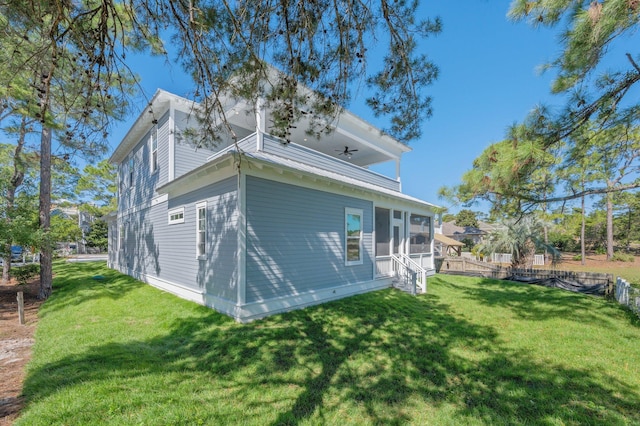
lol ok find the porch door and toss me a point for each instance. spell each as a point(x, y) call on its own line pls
point(398, 232)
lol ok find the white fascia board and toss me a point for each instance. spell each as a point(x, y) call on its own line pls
point(328, 183)
point(217, 169)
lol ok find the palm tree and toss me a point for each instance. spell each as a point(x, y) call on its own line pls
point(521, 238)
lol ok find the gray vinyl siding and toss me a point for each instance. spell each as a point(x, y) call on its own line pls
point(144, 182)
point(314, 158)
point(168, 252)
point(187, 155)
point(296, 240)
point(163, 149)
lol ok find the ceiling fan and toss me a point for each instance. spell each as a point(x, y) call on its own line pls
point(347, 152)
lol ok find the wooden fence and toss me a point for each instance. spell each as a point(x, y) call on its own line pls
point(461, 266)
point(538, 259)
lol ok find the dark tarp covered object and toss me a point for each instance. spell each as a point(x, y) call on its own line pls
point(595, 289)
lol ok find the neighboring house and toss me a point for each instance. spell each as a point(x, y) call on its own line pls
point(259, 226)
point(487, 228)
point(445, 246)
point(459, 233)
point(84, 223)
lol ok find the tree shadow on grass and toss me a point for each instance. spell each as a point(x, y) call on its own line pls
point(79, 282)
point(378, 358)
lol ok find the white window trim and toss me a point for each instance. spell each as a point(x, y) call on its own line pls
point(356, 212)
point(130, 174)
point(121, 236)
point(173, 212)
point(201, 205)
point(153, 167)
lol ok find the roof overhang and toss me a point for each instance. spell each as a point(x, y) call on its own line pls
point(372, 145)
point(155, 109)
point(231, 161)
point(447, 241)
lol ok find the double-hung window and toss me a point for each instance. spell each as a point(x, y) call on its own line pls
point(201, 229)
point(153, 148)
point(131, 170)
point(121, 237)
point(353, 236)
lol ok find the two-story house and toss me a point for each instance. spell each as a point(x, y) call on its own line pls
point(259, 226)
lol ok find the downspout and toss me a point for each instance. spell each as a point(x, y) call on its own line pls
point(172, 147)
point(242, 244)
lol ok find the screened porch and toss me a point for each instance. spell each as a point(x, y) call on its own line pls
point(402, 233)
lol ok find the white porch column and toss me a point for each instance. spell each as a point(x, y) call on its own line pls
point(261, 123)
point(398, 173)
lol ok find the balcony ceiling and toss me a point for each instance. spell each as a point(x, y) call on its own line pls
point(350, 131)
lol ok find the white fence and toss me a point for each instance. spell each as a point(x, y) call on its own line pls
point(627, 295)
point(538, 259)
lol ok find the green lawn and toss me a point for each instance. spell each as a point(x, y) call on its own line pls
point(472, 351)
point(630, 271)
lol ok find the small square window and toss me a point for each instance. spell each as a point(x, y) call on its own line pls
point(176, 216)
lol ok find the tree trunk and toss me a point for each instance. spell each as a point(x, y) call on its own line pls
point(609, 226)
point(46, 273)
point(628, 229)
point(6, 264)
point(524, 258)
point(582, 231)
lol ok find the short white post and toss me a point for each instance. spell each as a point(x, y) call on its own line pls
point(21, 307)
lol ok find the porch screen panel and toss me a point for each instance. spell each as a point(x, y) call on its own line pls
point(383, 217)
point(420, 234)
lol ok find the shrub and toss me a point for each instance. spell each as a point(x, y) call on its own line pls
point(564, 242)
point(577, 257)
point(24, 273)
point(623, 257)
point(468, 244)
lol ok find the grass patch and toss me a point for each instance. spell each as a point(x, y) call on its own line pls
point(472, 351)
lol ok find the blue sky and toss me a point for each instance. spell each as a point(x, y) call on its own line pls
point(488, 80)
